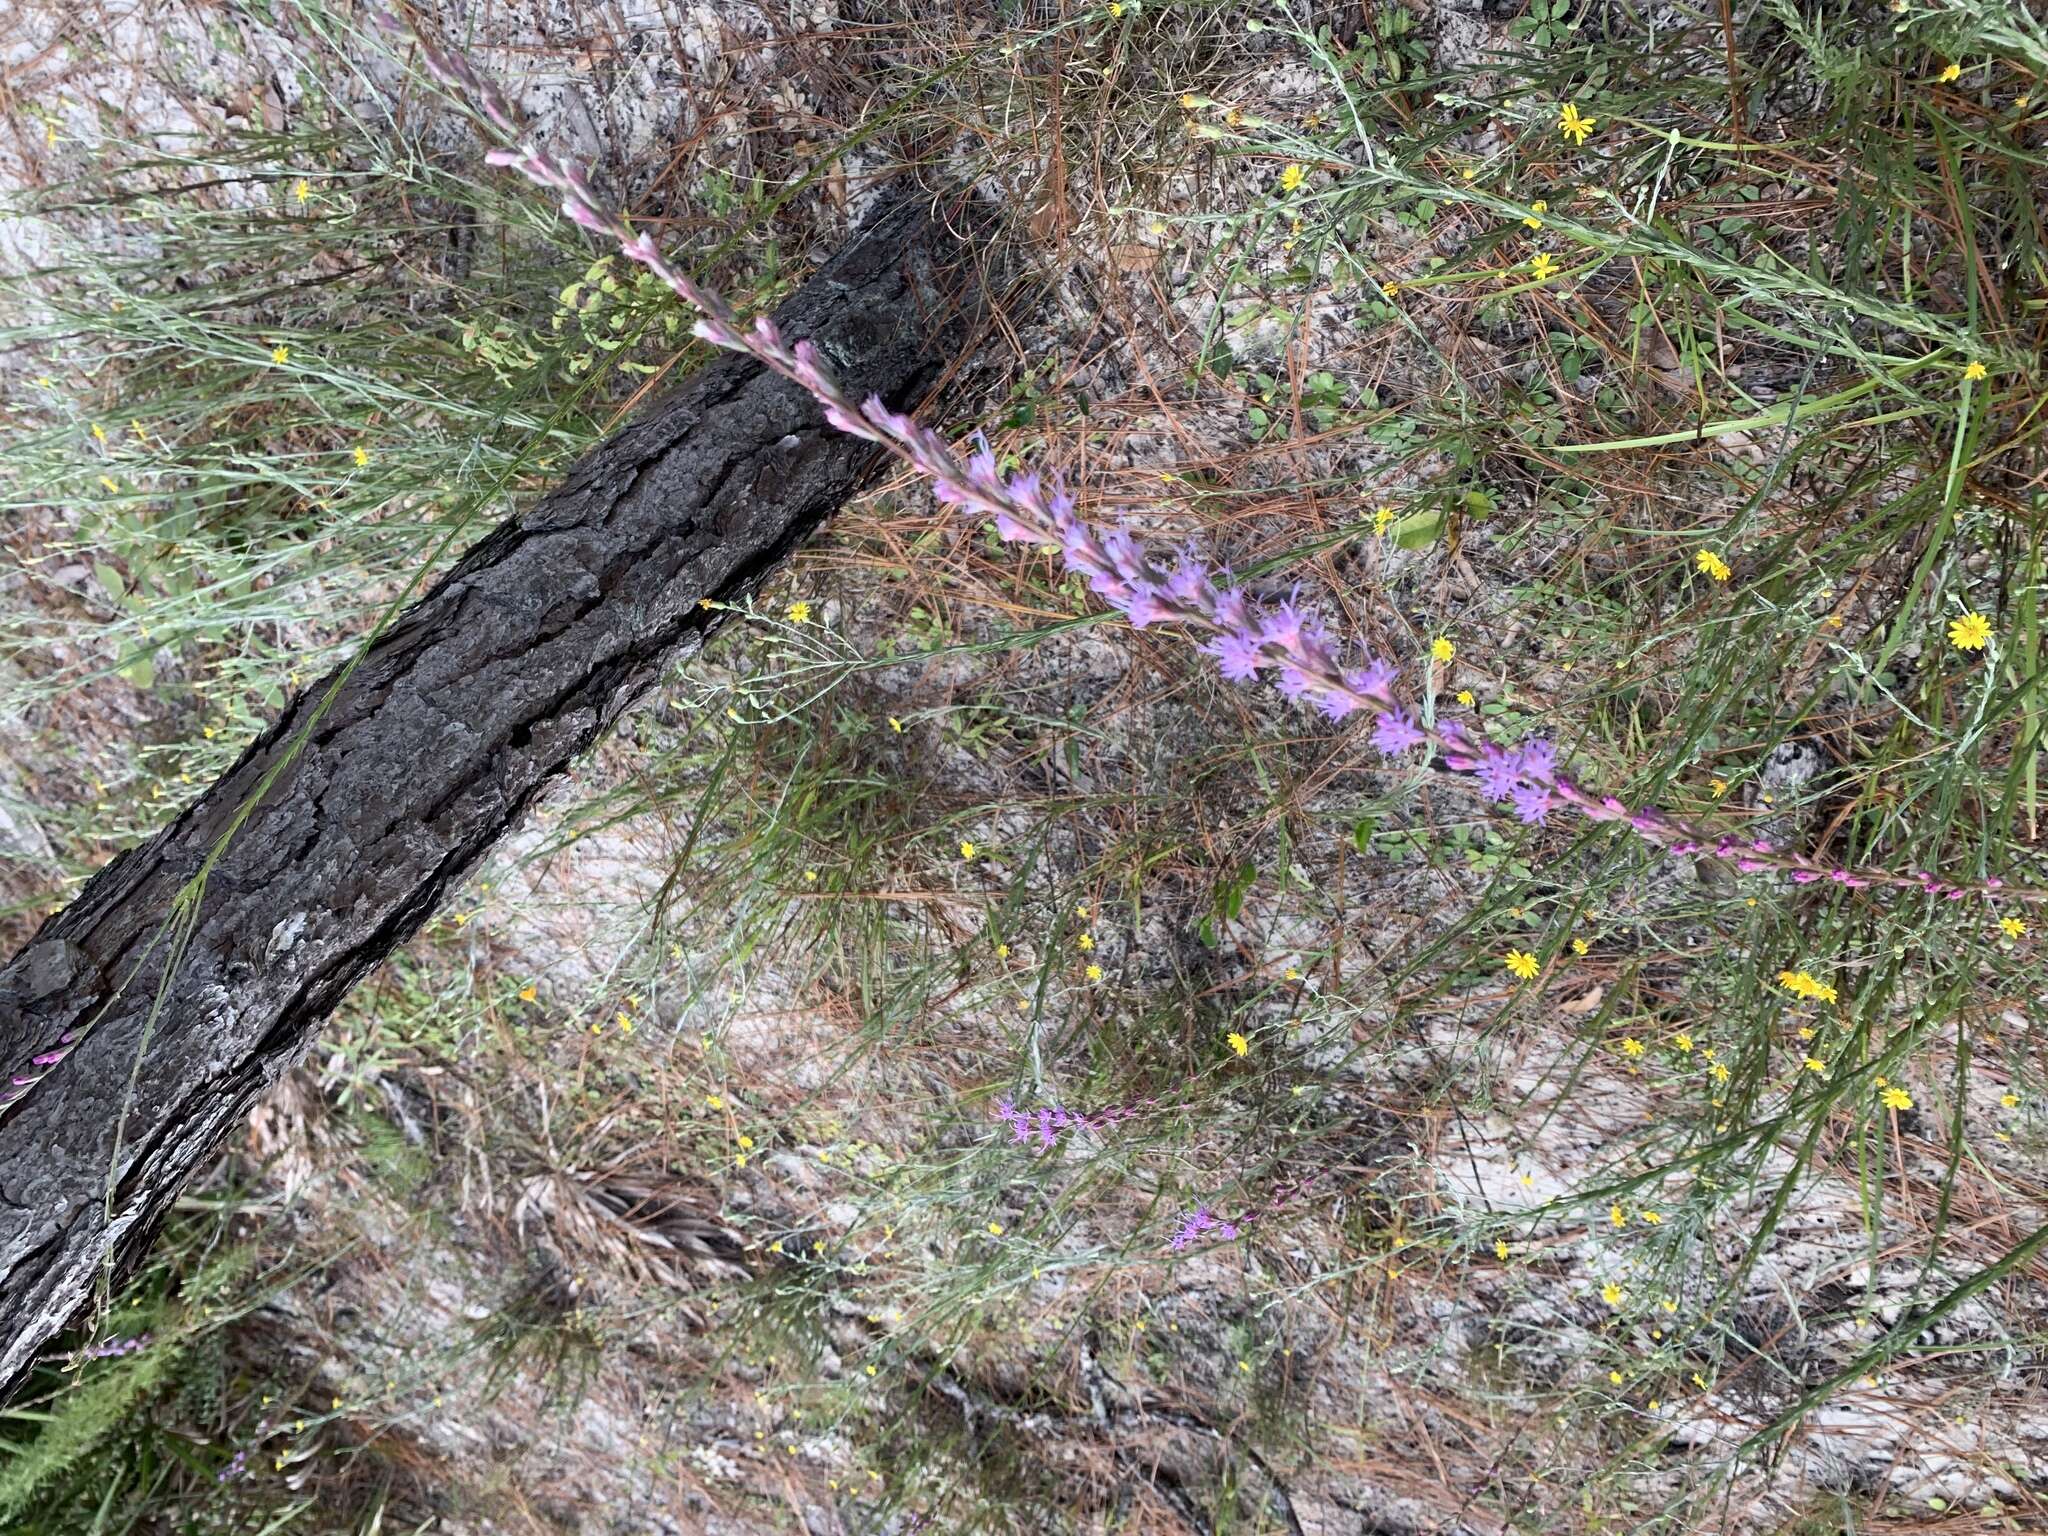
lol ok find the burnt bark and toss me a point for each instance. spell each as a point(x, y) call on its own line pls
point(162, 1004)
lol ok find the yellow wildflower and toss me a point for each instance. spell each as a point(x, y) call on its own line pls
point(1441, 648)
point(968, 851)
point(1611, 1294)
point(1969, 632)
point(1382, 518)
point(1521, 963)
point(1950, 75)
point(1541, 267)
point(1238, 1043)
point(1631, 1046)
point(1574, 124)
point(1465, 698)
point(1538, 207)
point(1292, 178)
point(280, 352)
point(2013, 927)
point(799, 612)
point(1710, 564)
point(1975, 371)
point(1897, 1098)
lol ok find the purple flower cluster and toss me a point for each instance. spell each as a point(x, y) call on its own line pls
point(1047, 1122)
point(1201, 1222)
point(114, 1348)
point(1197, 1224)
point(1280, 641)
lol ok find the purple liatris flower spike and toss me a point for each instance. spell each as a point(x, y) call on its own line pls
point(1395, 732)
point(1193, 1227)
point(1242, 639)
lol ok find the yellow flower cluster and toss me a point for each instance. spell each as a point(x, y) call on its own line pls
point(1803, 984)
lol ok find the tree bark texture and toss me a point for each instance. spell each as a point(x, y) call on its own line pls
point(136, 1043)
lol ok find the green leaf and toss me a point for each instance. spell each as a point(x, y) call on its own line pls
point(1419, 530)
point(109, 579)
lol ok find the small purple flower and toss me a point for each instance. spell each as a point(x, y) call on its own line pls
point(1336, 705)
point(1498, 773)
point(1537, 760)
point(1144, 605)
point(1532, 803)
point(1192, 1228)
point(1011, 531)
point(1237, 654)
point(1190, 580)
point(1282, 624)
point(1394, 733)
point(1375, 678)
point(1294, 683)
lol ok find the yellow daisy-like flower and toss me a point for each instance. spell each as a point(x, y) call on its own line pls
point(895, 725)
point(1382, 519)
point(1803, 984)
point(1238, 1043)
point(302, 190)
point(1465, 697)
point(1950, 75)
point(1189, 101)
point(1292, 177)
point(1002, 951)
point(1538, 207)
point(2013, 927)
point(1521, 963)
point(799, 613)
point(1085, 942)
point(1616, 1216)
point(1441, 648)
point(362, 456)
point(1094, 973)
point(1969, 632)
point(1631, 1046)
point(1389, 289)
point(1720, 1071)
point(995, 1229)
point(1574, 124)
point(968, 851)
point(279, 353)
point(1683, 1042)
point(2009, 1100)
point(1611, 1294)
point(1707, 563)
point(1897, 1098)
point(1814, 1064)
point(1541, 267)
point(1500, 1250)
point(1581, 947)
point(1975, 370)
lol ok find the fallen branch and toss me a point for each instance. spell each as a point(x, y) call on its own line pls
point(145, 1019)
